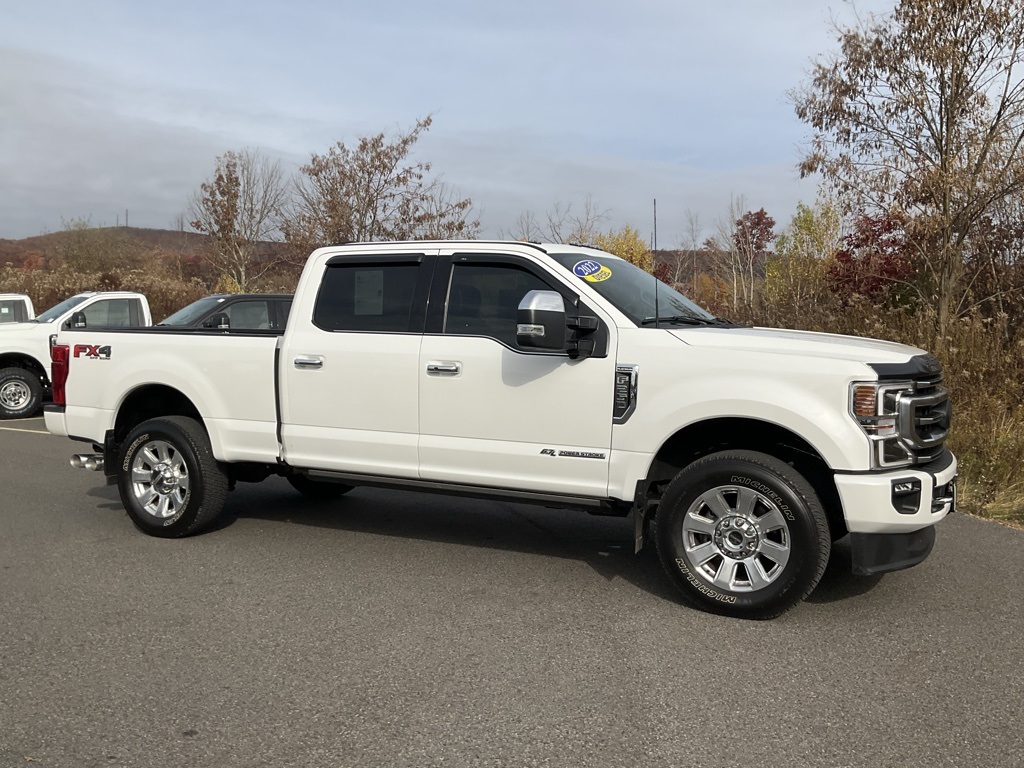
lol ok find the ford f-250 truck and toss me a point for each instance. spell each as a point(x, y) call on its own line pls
point(25, 346)
point(16, 308)
point(553, 374)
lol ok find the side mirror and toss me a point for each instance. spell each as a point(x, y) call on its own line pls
point(540, 321)
point(220, 321)
point(78, 320)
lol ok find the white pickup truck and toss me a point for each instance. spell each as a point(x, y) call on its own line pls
point(25, 346)
point(552, 374)
point(16, 308)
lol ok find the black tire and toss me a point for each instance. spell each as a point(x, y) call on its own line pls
point(21, 393)
point(170, 483)
point(318, 490)
point(743, 534)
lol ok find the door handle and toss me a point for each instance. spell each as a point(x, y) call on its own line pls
point(312, 362)
point(438, 368)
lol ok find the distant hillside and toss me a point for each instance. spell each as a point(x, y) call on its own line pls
point(186, 244)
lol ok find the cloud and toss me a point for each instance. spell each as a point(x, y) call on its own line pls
point(534, 103)
point(75, 153)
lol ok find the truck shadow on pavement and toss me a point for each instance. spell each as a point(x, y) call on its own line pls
point(605, 544)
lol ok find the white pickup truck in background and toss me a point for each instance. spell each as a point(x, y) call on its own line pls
point(25, 346)
point(16, 308)
point(552, 374)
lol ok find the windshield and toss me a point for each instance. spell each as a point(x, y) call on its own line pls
point(188, 315)
point(637, 294)
point(59, 309)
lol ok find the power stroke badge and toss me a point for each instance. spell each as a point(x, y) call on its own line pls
point(571, 454)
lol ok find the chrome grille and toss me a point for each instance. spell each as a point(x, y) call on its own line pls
point(923, 416)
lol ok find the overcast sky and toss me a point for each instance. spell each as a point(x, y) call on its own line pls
point(115, 105)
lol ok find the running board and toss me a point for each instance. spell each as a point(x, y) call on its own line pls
point(588, 503)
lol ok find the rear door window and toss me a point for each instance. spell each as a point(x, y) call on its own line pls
point(379, 297)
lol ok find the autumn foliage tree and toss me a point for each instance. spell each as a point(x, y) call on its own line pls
point(796, 274)
point(875, 258)
point(239, 208)
point(920, 115)
point(626, 243)
point(739, 250)
point(373, 191)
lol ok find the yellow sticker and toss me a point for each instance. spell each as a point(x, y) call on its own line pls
point(591, 271)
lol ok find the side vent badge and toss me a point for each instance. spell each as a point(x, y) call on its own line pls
point(625, 392)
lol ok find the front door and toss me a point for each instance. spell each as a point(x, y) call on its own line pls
point(495, 414)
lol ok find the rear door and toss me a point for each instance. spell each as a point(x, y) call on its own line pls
point(495, 414)
point(349, 375)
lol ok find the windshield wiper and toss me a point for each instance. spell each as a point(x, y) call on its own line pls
point(681, 319)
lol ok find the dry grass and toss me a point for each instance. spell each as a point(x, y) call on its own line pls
point(983, 366)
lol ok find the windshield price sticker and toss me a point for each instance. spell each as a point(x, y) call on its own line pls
point(591, 271)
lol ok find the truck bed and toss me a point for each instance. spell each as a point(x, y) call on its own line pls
point(229, 376)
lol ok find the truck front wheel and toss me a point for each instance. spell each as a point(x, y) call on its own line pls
point(743, 534)
point(170, 483)
point(21, 393)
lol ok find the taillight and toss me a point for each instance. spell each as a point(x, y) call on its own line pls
point(60, 359)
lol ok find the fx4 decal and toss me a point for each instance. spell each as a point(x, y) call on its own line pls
point(94, 351)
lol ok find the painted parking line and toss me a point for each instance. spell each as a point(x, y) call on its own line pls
point(30, 431)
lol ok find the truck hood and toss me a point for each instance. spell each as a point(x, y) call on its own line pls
point(802, 343)
point(26, 327)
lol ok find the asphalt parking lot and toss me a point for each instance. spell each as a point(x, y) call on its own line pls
point(393, 629)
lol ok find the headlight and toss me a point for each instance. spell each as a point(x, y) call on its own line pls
point(875, 405)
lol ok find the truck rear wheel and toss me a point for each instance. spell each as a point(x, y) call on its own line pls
point(743, 534)
point(21, 393)
point(170, 483)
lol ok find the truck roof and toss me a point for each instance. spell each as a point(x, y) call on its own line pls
point(447, 244)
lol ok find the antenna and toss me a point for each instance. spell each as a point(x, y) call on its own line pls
point(656, 312)
point(655, 224)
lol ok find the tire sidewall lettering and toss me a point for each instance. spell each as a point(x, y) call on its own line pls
point(130, 453)
point(767, 491)
point(700, 586)
point(180, 512)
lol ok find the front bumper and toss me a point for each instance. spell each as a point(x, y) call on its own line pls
point(898, 501)
point(873, 553)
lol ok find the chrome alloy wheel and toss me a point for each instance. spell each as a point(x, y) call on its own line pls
point(160, 479)
point(14, 394)
point(736, 538)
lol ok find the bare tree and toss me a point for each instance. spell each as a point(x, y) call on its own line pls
point(682, 268)
point(738, 249)
point(373, 192)
point(562, 224)
point(239, 208)
point(179, 222)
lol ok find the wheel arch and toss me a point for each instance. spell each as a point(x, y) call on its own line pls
point(731, 433)
point(152, 401)
point(27, 362)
